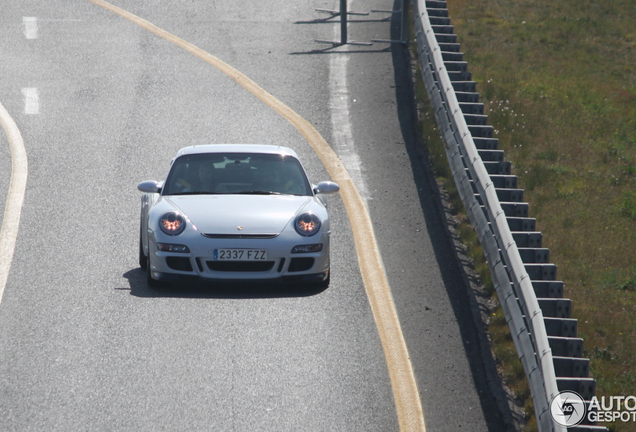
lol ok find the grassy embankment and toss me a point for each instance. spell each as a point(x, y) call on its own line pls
point(558, 78)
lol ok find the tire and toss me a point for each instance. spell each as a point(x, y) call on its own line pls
point(143, 261)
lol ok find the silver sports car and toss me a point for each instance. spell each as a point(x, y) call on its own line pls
point(235, 212)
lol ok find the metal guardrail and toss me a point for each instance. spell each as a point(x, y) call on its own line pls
point(511, 280)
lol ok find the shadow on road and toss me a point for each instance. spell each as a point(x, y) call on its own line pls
point(218, 290)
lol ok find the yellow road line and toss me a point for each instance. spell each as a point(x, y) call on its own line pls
point(407, 398)
point(15, 197)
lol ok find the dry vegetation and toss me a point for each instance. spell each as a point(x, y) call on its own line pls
point(558, 78)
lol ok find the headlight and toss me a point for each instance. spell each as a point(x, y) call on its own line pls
point(307, 224)
point(172, 223)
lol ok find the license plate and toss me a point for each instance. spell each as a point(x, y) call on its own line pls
point(240, 255)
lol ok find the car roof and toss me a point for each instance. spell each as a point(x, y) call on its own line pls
point(236, 148)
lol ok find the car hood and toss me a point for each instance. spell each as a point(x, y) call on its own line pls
point(254, 214)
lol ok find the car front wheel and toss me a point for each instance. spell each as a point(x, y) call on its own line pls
point(143, 261)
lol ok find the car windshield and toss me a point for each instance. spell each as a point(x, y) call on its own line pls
point(236, 173)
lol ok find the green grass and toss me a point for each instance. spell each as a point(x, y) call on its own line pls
point(558, 79)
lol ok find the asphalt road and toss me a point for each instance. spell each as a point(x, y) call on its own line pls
point(86, 345)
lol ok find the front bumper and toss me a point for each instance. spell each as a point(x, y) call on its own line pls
point(199, 264)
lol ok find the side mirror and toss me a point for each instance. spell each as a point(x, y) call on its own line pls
point(149, 186)
point(326, 187)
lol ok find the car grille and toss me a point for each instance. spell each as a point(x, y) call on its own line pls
point(240, 266)
point(179, 263)
point(300, 264)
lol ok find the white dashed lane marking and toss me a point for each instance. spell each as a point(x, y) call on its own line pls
point(31, 100)
point(30, 27)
